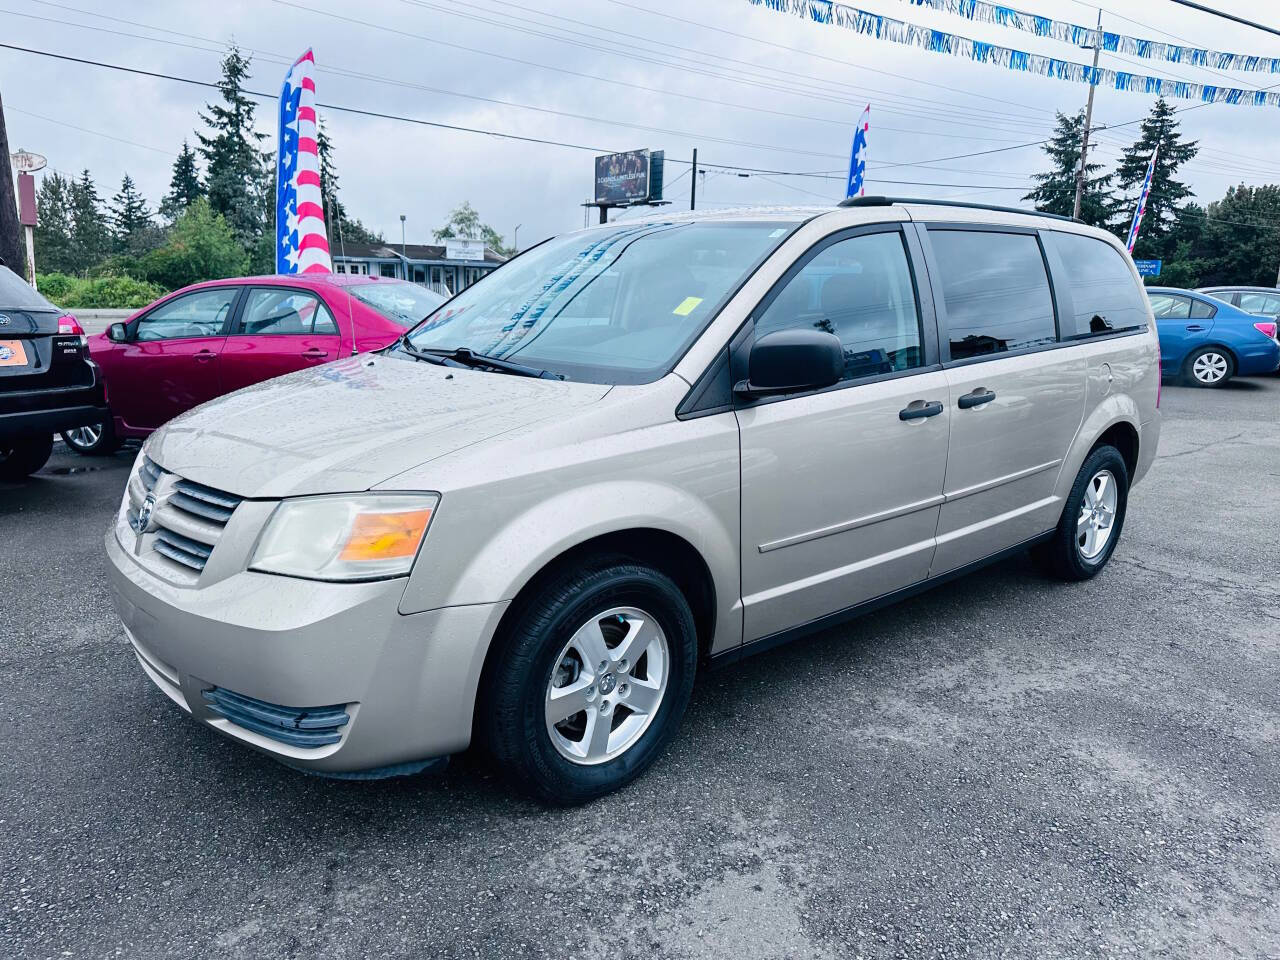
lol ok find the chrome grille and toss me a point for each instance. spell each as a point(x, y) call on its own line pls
point(187, 520)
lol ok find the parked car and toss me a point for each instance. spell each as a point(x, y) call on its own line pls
point(1205, 341)
point(629, 452)
point(1260, 301)
point(47, 381)
point(216, 337)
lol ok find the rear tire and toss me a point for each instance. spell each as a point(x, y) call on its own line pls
point(635, 627)
point(1209, 367)
point(93, 440)
point(23, 456)
point(1092, 518)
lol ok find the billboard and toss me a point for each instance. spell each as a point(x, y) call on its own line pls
point(622, 178)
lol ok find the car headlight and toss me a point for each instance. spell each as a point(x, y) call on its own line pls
point(365, 537)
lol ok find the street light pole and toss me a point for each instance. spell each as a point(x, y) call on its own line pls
point(404, 251)
point(1088, 121)
point(515, 238)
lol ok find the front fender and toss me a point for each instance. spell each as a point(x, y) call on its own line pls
point(525, 543)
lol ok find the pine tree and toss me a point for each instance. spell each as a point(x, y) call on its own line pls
point(184, 187)
point(90, 234)
point(341, 226)
point(53, 232)
point(133, 231)
point(1056, 190)
point(1158, 129)
point(233, 155)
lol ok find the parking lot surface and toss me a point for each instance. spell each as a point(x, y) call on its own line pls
point(1006, 766)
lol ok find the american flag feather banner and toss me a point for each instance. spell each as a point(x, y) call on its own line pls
point(1142, 201)
point(856, 185)
point(302, 245)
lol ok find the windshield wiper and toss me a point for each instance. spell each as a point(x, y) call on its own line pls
point(404, 344)
point(468, 357)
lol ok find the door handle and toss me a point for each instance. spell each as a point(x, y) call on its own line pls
point(1194, 327)
point(919, 409)
point(204, 355)
point(976, 399)
point(315, 353)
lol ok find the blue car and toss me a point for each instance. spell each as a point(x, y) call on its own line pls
point(1206, 342)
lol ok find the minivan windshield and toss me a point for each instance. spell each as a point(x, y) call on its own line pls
point(613, 305)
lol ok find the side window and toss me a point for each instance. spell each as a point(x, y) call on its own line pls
point(1265, 304)
point(1201, 310)
point(859, 289)
point(1166, 306)
point(996, 291)
point(199, 314)
point(1103, 292)
point(271, 311)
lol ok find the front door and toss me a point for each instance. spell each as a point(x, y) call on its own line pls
point(840, 493)
point(1016, 399)
point(170, 362)
point(280, 330)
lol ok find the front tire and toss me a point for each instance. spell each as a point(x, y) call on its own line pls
point(1209, 367)
point(92, 440)
point(591, 681)
point(23, 456)
point(1092, 518)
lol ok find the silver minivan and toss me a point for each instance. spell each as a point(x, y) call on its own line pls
point(629, 453)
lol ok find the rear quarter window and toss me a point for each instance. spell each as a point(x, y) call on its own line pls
point(1104, 295)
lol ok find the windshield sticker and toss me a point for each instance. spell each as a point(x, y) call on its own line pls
point(687, 306)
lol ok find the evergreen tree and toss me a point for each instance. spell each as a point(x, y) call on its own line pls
point(233, 155)
point(53, 232)
point(90, 233)
point(184, 186)
point(133, 231)
point(1158, 129)
point(341, 226)
point(1055, 191)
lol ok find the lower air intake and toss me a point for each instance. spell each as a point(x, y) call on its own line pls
point(295, 726)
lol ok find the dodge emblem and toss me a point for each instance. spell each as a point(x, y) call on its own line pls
point(143, 519)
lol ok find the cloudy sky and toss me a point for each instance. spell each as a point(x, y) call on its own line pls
point(745, 85)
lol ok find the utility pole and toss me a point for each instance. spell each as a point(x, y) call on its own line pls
point(1088, 121)
point(693, 181)
point(10, 233)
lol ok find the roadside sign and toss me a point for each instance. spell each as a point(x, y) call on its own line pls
point(1148, 268)
point(26, 162)
point(464, 249)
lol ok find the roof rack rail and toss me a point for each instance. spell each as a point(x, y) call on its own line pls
point(890, 201)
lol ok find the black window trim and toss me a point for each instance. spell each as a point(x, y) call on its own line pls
point(227, 321)
point(237, 327)
point(744, 337)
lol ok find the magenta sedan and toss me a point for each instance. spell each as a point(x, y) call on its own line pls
point(212, 338)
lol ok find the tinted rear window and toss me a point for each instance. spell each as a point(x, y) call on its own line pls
point(1104, 294)
point(996, 291)
point(16, 293)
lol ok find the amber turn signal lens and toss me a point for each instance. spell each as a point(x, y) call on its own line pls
point(385, 536)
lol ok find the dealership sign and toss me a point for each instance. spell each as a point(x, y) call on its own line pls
point(1148, 268)
point(24, 162)
point(464, 249)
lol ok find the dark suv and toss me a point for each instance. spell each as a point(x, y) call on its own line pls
point(47, 381)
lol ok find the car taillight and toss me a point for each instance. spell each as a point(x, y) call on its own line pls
point(70, 325)
point(1268, 328)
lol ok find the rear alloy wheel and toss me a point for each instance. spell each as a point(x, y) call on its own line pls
point(1092, 518)
point(590, 682)
point(23, 456)
point(92, 440)
point(1209, 367)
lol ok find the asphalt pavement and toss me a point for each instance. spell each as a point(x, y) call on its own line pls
point(1007, 766)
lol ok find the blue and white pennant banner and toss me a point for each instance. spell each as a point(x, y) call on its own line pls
point(880, 27)
point(982, 12)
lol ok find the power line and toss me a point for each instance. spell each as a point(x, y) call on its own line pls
point(1227, 16)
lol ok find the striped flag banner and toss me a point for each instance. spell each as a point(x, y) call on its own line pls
point(302, 245)
point(856, 186)
point(1142, 201)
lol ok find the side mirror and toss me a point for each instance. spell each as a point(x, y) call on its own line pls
point(787, 361)
point(117, 333)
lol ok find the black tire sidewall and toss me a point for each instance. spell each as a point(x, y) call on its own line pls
point(23, 456)
point(1190, 377)
point(538, 640)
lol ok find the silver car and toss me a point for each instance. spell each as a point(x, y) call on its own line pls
point(631, 452)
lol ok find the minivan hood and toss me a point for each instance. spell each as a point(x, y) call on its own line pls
point(351, 424)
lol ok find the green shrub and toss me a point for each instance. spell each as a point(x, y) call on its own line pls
point(75, 293)
point(56, 287)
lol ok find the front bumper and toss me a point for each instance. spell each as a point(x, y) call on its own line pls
point(408, 682)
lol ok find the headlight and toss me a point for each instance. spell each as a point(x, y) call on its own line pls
point(367, 537)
